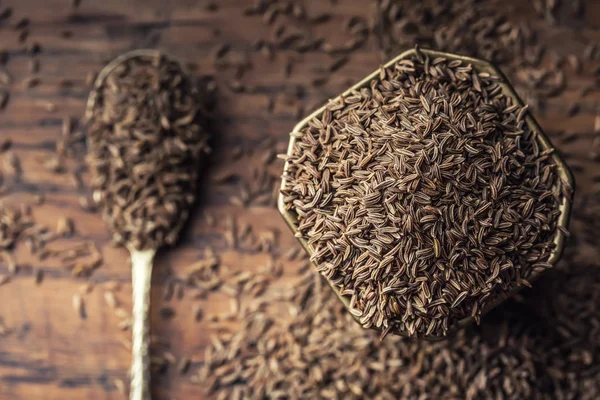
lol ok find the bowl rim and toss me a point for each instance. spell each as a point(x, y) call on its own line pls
point(564, 174)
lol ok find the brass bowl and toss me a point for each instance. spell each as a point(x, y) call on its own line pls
point(481, 66)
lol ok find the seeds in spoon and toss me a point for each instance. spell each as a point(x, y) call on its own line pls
point(146, 145)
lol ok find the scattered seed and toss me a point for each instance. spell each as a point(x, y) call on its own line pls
point(78, 305)
point(166, 312)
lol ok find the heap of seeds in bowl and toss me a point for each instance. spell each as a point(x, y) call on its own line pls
point(146, 142)
point(424, 197)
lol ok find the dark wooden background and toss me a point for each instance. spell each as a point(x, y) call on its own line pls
point(46, 350)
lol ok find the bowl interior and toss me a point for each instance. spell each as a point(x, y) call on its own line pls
point(564, 173)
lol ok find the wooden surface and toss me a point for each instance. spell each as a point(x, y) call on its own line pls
point(50, 352)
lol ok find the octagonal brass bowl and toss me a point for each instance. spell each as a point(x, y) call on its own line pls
point(563, 171)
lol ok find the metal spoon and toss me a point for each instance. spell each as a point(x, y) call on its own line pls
point(141, 260)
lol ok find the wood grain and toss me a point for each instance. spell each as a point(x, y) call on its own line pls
point(51, 353)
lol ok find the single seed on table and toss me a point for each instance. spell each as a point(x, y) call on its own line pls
point(54, 164)
point(5, 77)
point(120, 385)
point(5, 145)
point(220, 51)
point(22, 23)
point(122, 313)
point(236, 201)
point(183, 365)
point(86, 203)
point(34, 65)
point(11, 262)
point(271, 104)
point(180, 292)
point(267, 51)
point(299, 112)
point(111, 300)
point(575, 63)
point(31, 82)
point(78, 305)
point(319, 81)
point(287, 67)
point(23, 35)
point(125, 324)
point(65, 83)
point(48, 105)
point(198, 312)
point(39, 276)
point(90, 78)
point(170, 357)
point(166, 312)
point(6, 13)
point(12, 163)
point(34, 48)
point(26, 210)
point(112, 286)
point(4, 279)
point(338, 64)
point(236, 86)
point(573, 109)
point(4, 97)
point(270, 14)
point(86, 288)
point(212, 6)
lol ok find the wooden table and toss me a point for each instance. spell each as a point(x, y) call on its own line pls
point(48, 351)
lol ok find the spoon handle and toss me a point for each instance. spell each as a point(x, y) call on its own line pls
point(141, 273)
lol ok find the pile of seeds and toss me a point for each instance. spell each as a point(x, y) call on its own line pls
point(424, 197)
point(146, 147)
point(531, 349)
